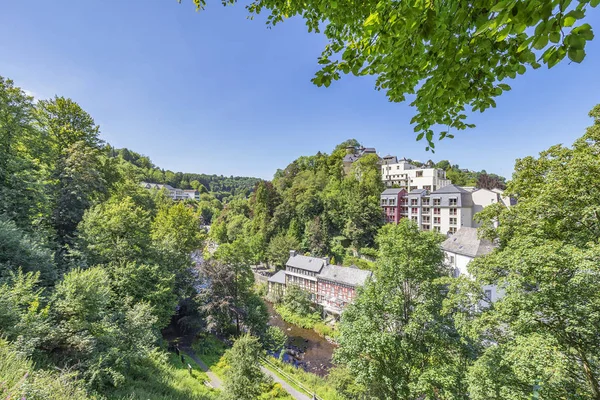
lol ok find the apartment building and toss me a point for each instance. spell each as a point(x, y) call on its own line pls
point(406, 176)
point(174, 193)
point(461, 248)
point(445, 210)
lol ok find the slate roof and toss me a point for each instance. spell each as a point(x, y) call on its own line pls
point(417, 192)
point(466, 242)
point(312, 264)
point(450, 189)
point(279, 277)
point(345, 275)
point(391, 191)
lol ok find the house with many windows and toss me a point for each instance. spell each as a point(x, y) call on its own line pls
point(174, 193)
point(330, 286)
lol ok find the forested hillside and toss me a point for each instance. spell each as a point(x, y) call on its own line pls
point(220, 186)
point(92, 266)
point(310, 205)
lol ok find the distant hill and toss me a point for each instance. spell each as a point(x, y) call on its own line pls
point(220, 186)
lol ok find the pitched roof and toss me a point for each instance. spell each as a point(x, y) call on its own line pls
point(466, 242)
point(417, 191)
point(312, 264)
point(279, 277)
point(345, 275)
point(450, 189)
point(392, 191)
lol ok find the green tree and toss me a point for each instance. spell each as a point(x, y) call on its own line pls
point(278, 250)
point(243, 378)
point(116, 230)
point(395, 338)
point(451, 55)
point(547, 264)
point(297, 300)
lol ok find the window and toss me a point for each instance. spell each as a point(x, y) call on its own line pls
point(415, 210)
point(414, 202)
point(452, 221)
point(397, 167)
point(414, 219)
point(437, 202)
point(488, 294)
point(413, 188)
point(425, 211)
point(425, 220)
point(452, 230)
point(451, 260)
point(436, 211)
point(419, 174)
point(436, 229)
point(453, 201)
point(436, 220)
point(453, 211)
point(425, 201)
point(425, 227)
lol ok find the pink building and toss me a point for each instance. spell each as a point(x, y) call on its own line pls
point(394, 205)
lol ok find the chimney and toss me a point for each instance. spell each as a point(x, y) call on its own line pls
point(292, 253)
point(326, 260)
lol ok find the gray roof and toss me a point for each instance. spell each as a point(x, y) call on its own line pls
point(466, 242)
point(351, 157)
point(392, 191)
point(450, 189)
point(417, 192)
point(279, 277)
point(345, 275)
point(312, 264)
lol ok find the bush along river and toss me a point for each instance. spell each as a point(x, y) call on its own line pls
point(304, 348)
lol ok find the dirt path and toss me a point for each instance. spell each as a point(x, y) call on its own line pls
point(286, 386)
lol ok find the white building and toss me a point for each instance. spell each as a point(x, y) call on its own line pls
point(174, 193)
point(461, 248)
point(445, 210)
point(406, 176)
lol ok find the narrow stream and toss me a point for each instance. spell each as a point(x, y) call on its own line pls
point(314, 352)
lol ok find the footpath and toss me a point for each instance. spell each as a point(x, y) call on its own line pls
point(214, 380)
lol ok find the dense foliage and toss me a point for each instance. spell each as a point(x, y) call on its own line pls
point(449, 55)
point(395, 338)
point(91, 264)
point(311, 206)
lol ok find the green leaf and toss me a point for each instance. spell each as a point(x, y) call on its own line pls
point(501, 5)
point(594, 3)
point(555, 37)
point(420, 136)
point(568, 21)
point(372, 19)
point(541, 42)
point(521, 69)
point(504, 87)
point(576, 55)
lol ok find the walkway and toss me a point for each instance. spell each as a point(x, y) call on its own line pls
point(214, 380)
point(288, 388)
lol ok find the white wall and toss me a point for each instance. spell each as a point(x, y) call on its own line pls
point(459, 263)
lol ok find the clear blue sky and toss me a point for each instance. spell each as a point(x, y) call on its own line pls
point(214, 92)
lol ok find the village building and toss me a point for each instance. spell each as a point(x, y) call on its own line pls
point(464, 246)
point(330, 286)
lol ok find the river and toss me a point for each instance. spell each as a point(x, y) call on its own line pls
point(315, 351)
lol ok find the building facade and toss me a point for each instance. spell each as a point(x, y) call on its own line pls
point(404, 175)
point(174, 193)
point(461, 248)
point(330, 286)
point(353, 154)
point(445, 210)
point(394, 205)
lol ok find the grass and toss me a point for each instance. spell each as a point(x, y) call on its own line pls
point(211, 351)
point(320, 385)
point(164, 376)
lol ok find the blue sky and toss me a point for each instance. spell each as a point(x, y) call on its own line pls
point(214, 92)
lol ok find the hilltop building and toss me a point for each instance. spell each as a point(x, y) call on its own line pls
point(331, 286)
point(353, 154)
point(404, 175)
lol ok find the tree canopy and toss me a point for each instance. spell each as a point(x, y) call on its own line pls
point(450, 57)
